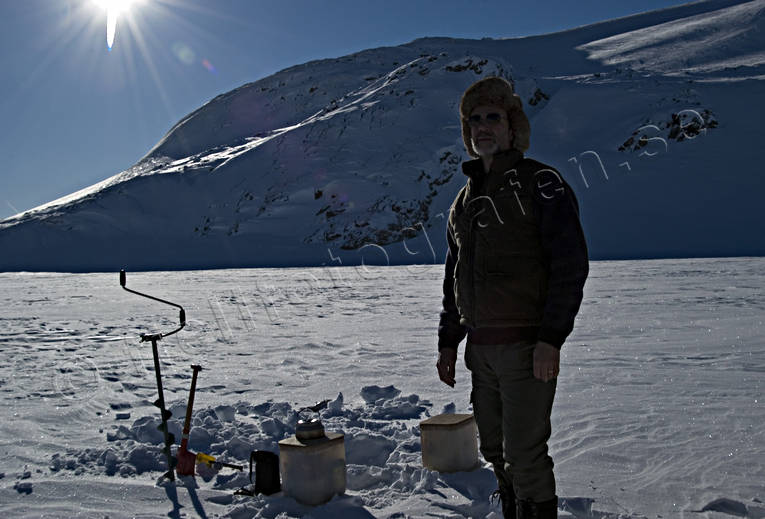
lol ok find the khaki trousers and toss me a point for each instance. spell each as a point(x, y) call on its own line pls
point(512, 410)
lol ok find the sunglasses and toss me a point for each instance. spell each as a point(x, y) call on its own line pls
point(491, 119)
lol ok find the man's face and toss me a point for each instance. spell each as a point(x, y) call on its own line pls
point(489, 129)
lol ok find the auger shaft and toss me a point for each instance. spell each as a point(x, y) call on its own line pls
point(160, 402)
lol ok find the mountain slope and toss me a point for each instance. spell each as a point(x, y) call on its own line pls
point(356, 160)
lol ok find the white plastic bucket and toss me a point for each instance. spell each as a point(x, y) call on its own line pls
point(313, 470)
point(449, 443)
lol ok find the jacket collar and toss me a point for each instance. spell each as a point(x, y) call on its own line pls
point(502, 161)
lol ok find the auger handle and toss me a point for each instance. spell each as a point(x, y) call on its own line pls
point(182, 314)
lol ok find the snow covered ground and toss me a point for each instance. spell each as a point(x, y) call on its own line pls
point(658, 414)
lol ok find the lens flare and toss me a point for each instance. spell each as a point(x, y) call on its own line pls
point(209, 66)
point(184, 53)
point(114, 8)
point(111, 26)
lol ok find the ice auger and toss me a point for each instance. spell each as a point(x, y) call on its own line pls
point(160, 402)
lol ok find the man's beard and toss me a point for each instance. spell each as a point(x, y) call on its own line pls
point(488, 148)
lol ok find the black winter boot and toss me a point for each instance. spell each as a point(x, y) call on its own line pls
point(506, 493)
point(507, 499)
point(527, 509)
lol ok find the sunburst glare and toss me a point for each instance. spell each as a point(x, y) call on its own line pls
point(114, 8)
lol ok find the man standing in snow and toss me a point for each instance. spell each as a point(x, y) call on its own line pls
point(515, 271)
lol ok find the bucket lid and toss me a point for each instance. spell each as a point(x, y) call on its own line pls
point(447, 420)
point(326, 441)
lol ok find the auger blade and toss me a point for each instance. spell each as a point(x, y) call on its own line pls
point(166, 414)
point(164, 428)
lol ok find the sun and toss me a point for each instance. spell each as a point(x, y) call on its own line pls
point(114, 8)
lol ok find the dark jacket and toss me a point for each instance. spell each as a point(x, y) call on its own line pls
point(517, 258)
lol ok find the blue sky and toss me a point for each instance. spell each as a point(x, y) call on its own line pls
point(74, 113)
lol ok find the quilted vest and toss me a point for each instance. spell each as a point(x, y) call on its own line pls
point(501, 274)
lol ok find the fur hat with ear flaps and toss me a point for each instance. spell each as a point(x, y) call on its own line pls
point(495, 91)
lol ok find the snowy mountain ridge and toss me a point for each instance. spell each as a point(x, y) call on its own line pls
point(356, 159)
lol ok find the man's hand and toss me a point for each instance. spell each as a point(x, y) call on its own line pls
point(447, 360)
point(546, 361)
